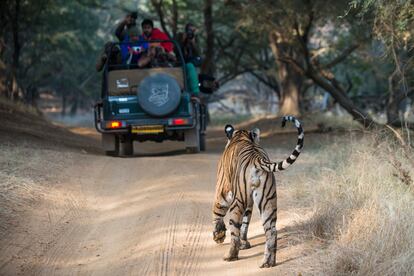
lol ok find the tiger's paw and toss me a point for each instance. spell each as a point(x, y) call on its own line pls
point(219, 237)
point(245, 245)
point(219, 234)
point(233, 254)
point(268, 262)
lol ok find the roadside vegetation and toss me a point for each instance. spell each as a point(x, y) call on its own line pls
point(361, 193)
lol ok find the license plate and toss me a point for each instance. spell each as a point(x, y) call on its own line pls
point(152, 129)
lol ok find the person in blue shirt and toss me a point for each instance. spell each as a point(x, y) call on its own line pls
point(132, 44)
point(127, 33)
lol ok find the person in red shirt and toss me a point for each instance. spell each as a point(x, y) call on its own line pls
point(156, 49)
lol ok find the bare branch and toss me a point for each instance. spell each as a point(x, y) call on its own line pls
point(341, 57)
point(298, 67)
point(158, 8)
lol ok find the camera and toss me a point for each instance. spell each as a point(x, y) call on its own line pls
point(134, 15)
point(190, 33)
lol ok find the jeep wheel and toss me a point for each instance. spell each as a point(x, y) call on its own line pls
point(126, 147)
point(202, 141)
point(192, 149)
point(112, 152)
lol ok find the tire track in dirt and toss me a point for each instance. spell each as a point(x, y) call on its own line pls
point(59, 246)
point(167, 251)
point(193, 249)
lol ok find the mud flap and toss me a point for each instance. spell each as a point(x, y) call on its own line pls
point(109, 142)
point(192, 136)
point(192, 139)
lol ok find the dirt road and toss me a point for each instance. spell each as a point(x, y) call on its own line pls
point(145, 215)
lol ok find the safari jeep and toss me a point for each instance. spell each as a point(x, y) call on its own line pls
point(151, 104)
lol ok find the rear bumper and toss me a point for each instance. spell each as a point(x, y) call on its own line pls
point(130, 123)
point(127, 124)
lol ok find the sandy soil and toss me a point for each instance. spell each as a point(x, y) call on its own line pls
point(145, 215)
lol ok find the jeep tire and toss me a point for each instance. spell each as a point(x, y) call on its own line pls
point(202, 141)
point(126, 146)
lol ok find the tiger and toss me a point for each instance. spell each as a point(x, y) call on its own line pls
point(245, 177)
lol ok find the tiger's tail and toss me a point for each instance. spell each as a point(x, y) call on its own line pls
point(283, 165)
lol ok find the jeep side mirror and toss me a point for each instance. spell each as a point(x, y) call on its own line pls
point(207, 84)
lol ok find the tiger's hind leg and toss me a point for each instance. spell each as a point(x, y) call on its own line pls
point(267, 204)
point(269, 225)
point(219, 232)
point(235, 225)
point(244, 228)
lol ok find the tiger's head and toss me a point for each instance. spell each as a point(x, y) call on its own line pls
point(241, 135)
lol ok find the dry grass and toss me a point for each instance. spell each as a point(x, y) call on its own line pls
point(10, 106)
point(363, 202)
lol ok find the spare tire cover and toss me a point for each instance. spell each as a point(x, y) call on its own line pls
point(159, 94)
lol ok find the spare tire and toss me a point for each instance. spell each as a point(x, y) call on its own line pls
point(159, 94)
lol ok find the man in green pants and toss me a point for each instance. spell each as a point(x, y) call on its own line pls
point(188, 44)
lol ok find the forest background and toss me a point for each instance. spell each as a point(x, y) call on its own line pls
point(288, 54)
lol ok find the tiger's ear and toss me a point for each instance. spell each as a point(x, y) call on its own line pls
point(229, 129)
point(255, 135)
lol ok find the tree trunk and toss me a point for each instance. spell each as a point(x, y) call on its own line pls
point(290, 81)
point(392, 103)
point(64, 103)
point(208, 66)
point(3, 71)
point(398, 86)
point(3, 79)
point(174, 19)
point(31, 95)
point(393, 108)
point(158, 8)
point(14, 87)
point(75, 105)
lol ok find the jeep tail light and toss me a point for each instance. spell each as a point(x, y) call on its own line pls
point(178, 122)
point(114, 124)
